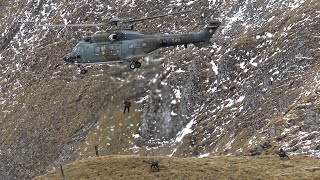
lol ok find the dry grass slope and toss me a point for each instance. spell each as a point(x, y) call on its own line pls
point(212, 167)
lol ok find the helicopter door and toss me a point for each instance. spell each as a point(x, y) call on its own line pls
point(123, 50)
point(111, 51)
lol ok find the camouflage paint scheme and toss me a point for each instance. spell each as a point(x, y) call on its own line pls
point(120, 45)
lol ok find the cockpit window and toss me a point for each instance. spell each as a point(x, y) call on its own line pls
point(78, 48)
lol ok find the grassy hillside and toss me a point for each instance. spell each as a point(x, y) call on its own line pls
point(212, 167)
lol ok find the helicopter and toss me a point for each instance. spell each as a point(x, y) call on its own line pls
point(127, 44)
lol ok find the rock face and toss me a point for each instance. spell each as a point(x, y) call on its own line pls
point(255, 89)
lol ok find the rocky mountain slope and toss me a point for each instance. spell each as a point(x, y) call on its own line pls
point(254, 90)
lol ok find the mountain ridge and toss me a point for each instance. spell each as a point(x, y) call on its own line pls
point(253, 91)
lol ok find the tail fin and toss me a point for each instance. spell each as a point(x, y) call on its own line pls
point(209, 30)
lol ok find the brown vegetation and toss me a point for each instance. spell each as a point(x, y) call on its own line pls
point(212, 167)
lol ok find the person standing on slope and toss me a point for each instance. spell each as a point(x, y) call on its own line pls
point(127, 105)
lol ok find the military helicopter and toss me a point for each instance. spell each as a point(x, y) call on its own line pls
point(127, 44)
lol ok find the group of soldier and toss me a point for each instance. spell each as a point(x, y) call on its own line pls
point(154, 164)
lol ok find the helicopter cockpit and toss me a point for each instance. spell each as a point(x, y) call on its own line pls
point(75, 55)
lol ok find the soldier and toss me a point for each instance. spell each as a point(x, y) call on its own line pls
point(155, 165)
point(282, 154)
point(127, 105)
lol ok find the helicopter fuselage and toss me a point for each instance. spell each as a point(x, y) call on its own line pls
point(130, 45)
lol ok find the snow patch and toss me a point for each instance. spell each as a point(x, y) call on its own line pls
point(214, 67)
point(173, 113)
point(228, 145)
point(295, 4)
point(170, 155)
point(136, 136)
point(269, 35)
point(252, 141)
point(231, 102)
point(174, 102)
point(241, 98)
point(185, 131)
point(204, 155)
point(177, 93)
point(180, 70)
point(189, 3)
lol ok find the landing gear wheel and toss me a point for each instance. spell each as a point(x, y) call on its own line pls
point(132, 65)
point(137, 64)
point(83, 71)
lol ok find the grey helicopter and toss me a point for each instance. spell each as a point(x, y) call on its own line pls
point(122, 44)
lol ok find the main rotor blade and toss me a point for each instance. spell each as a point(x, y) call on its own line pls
point(72, 25)
point(153, 17)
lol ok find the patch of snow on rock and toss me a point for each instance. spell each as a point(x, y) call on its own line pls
point(204, 155)
point(185, 131)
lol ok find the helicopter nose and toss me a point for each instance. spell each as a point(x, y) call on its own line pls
point(67, 58)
